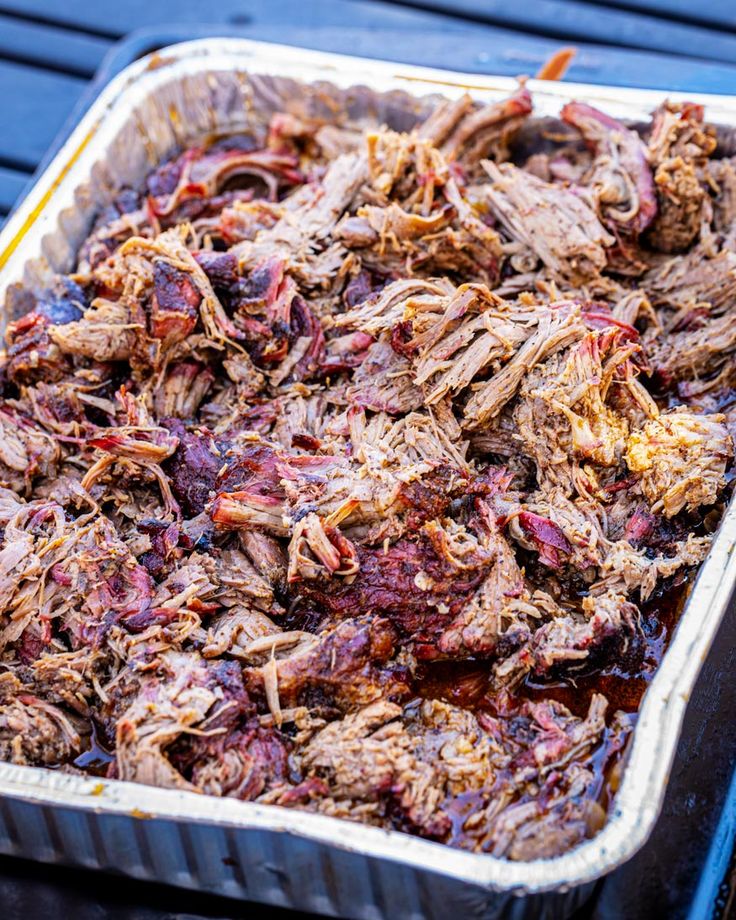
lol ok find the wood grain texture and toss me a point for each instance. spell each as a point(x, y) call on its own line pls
point(33, 106)
point(572, 20)
point(51, 48)
point(720, 13)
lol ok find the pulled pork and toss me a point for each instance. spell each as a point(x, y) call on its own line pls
point(348, 460)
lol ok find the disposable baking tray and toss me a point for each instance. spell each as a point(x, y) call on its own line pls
point(265, 853)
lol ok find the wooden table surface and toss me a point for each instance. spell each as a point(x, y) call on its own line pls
point(50, 52)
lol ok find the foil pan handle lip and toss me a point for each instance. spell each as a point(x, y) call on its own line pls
point(639, 799)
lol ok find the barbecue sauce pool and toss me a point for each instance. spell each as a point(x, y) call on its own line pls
point(622, 681)
point(96, 759)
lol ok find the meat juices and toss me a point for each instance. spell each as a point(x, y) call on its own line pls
point(365, 472)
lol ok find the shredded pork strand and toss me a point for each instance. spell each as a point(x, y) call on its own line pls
point(343, 442)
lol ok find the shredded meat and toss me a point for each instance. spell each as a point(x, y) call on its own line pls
point(679, 148)
point(620, 174)
point(682, 459)
point(557, 225)
point(346, 451)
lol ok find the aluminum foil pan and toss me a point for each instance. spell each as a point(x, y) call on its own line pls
point(265, 853)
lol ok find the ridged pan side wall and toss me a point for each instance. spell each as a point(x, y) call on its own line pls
point(265, 866)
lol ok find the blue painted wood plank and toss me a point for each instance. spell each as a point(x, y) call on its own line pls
point(33, 106)
point(121, 18)
point(503, 51)
point(380, 30)
point(712, 12)
point(573, 21)
point(479, 50)
point(50, 47)
point(12, 183)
